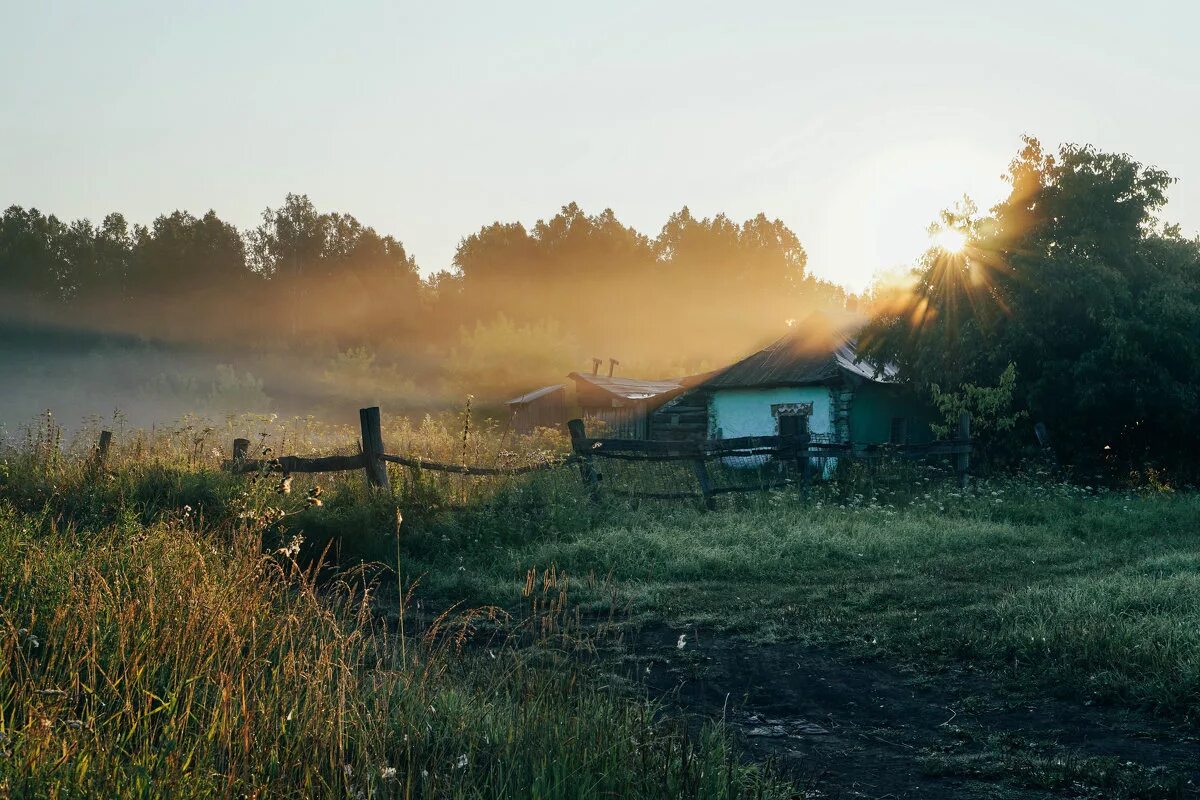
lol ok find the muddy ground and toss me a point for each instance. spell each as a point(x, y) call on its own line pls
point(846, 729)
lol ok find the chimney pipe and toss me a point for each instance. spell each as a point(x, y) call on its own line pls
point(612, 363)
point(596, 362)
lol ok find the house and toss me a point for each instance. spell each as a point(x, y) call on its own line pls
point(542, 408)
point(809, 380)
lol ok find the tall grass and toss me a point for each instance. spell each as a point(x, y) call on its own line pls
point(151, 646)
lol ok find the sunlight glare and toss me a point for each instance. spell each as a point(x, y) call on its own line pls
point(950, 240)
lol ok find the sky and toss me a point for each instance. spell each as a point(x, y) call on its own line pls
point(854, 123)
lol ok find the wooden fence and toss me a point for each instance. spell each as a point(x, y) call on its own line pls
point(371, 458)
point(795, 452)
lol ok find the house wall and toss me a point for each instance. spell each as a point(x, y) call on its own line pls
point(747, 412)
point(547, 411)
point(873, 407)
point(682, 419)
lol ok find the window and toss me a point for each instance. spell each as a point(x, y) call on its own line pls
point(899, 432)
point(791, 419)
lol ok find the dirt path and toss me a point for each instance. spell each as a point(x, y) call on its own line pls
point(865, 730)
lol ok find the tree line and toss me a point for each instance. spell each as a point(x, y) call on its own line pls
point(305, 276)
point(1072, 304)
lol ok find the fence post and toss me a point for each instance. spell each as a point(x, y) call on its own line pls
point(240, 448)
point(805, 463)
point(702, 477)
point(587, 467)
point(962, 461)
point(102, 449)
point(372, 447)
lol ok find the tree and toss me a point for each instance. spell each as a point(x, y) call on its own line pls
point(180, 253)
point(34, 264)
point(1073, 281)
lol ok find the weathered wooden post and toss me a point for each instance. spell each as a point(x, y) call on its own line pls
point(702, 477)
point(962, 461)
point(805, 463)
point(587, 466)
point(102, 449)
point(372, 447)
point(241, 447)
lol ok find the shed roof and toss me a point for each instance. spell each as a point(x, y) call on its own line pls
point(629, 388)
point(535, 394)
point(820, 349)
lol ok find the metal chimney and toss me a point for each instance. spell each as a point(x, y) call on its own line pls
point(612, 364)
point(596, 362)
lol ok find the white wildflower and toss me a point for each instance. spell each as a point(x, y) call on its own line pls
point(461, 762)
point(682, 643)
point(387, 773)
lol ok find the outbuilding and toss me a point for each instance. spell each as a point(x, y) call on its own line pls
point(542, 408)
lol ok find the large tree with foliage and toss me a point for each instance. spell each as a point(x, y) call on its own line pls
point(1074, 281)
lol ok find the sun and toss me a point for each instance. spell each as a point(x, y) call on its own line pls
point(950, 240)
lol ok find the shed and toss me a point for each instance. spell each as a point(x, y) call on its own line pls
point(622, 405)
point(812, 380)
point(542, 408)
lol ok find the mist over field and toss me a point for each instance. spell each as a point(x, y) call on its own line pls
point(313, 312)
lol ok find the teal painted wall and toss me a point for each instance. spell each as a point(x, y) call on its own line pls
point(747, 412)
point(872, 410)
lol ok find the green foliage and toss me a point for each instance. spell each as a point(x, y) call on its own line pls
point(1073, 280)
point(990, 407)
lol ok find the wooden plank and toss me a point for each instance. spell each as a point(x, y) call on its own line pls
point(290, 464)
point(372, 447)
point(102, 447)
point(654, 495)
point(701, 471)
point(462, 469)
point(962, 461)
point(582, 447)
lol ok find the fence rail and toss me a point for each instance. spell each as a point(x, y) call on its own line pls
point(794, 452)
point(798, 451)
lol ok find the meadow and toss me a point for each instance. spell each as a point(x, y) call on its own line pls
point(174, 630)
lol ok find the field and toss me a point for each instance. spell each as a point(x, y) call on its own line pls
point(173, 630)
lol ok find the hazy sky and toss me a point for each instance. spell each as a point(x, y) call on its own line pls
point(853, 122)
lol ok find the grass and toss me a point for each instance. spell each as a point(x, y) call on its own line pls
point(1068, 590)
point(150, 647)
point(1086, 594)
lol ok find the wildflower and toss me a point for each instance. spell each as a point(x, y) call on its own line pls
point(387, 773)
point(285, 485)
point(682, 643)
point(291, 550)
point(461, 762)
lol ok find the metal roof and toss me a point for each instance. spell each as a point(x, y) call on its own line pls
point(535, 394)
point(819, 349)
point(629, 388)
